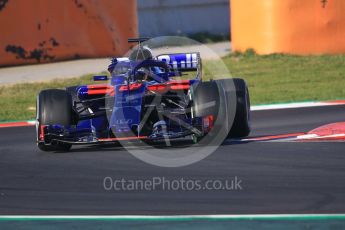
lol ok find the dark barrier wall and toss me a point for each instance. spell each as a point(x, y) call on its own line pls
point(289, 26)
point(33, 31)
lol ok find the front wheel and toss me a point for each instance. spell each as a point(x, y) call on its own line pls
point(53, 107)
point(237, 103)
point(241, 125)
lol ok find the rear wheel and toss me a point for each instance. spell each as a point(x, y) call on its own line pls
point(208, 105)
point(54, 107)
point(228, 101)
point(205, 99)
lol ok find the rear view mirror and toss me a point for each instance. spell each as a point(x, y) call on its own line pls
point(100, 78)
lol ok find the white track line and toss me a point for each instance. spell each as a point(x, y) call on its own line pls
point(294, 105)
point(171, 217)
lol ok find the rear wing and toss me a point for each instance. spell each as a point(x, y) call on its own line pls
point(183, 62)
point(137, 40)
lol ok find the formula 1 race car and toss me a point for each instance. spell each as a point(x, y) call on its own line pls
point(146, 98)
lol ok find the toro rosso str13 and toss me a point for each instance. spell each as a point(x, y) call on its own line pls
point(143, 99)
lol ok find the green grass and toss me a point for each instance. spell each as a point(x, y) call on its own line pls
point(286, 78)
point(271, 78)
point(18, 102)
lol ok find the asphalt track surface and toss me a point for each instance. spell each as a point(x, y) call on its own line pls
point(277, 177)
